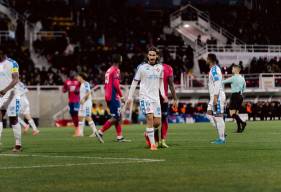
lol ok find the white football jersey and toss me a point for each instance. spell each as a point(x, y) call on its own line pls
point(149, 77)
point(215, 75)
point(85, 89)
point(7, 68)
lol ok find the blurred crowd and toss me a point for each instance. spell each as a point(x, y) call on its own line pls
point(263, 110)
point(98, 30)
point(249, 23)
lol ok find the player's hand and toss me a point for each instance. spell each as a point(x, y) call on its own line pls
point(123, 101)
point(128, 103)
point(2, 93)
point(82, 101)
point(175, 103)
point(165, 99)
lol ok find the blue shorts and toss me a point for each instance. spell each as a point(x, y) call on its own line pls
point(73, 108)
point(115, 109)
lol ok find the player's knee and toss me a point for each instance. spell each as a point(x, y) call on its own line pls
point(149, 120)
point(113, 120)
point(156, 124)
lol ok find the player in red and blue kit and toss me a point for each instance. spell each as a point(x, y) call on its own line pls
point(168, 79)
point(72, 86)
point(113, 97)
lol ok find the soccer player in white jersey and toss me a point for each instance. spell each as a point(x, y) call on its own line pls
point(9, 98)
point(150, 76)
point(216, 105)
point(85, 110)
point(25, 110)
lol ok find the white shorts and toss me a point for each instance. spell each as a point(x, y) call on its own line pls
point(85, 110)
point(24, 106)
point(11, 103)
point(219, 109)
point(147, 107)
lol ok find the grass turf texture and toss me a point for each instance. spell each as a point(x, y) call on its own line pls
point(248, 162)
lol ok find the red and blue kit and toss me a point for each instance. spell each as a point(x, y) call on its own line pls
point(113, 91)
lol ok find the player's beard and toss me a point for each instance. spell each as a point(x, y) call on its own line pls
point(152, 61)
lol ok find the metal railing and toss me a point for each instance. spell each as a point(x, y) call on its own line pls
point(204, 16)
point(244, 48)
point(260, 81)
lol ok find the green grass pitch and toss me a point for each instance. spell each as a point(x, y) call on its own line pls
point(55, 161)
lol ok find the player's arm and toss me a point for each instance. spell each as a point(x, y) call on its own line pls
point(134, 85)
point(132, 91)
point(116, 84)
point(244, 87)
point(15, 80)
point(162, 90)
point(228, 80)
point(65, 88)
point(173, 90)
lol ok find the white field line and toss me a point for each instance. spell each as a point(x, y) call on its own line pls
point(124, 161)
point(82, 157)
point(70, 165)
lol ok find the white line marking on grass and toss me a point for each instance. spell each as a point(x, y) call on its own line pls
point(70, 165)
point(83, 157)
point(124, 161)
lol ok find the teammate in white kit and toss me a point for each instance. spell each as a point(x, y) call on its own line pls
point(9, 98)
point(150, 76)
point(85, 110)
point(216, 105)
point(25, 110)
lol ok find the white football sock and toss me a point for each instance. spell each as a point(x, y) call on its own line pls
point(81, 128)
point(1, 130)
point(32, 124)
point(17, 133)
point(21, 121)
point(220, 127)
point(93, 126)
point(212, 121)
point(150, 134)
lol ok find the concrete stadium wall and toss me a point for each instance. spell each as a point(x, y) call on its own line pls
point(45, 102)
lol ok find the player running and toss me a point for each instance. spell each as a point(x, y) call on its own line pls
point(215, 109)
point(150, 76)
point(238, 86)
point(25, 110)
point(168, 79)
point(9, 98)
point(113, 97)
point(71, 86)
point(85, 110)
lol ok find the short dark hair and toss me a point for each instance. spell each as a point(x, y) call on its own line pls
point(116, 58)
point(213, 58)
point(83, 75)
point(155, 49)
point(72, 74)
